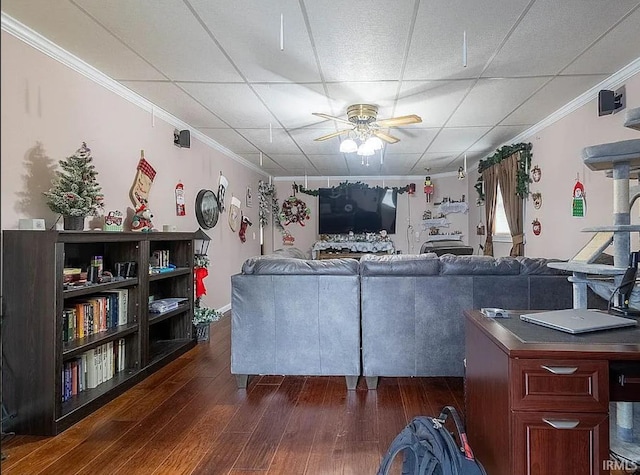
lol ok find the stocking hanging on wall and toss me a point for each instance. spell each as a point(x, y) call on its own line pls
point(223, 183)
point(234, 214)
point(579, 205)
point(244, 222)
point(142, 182)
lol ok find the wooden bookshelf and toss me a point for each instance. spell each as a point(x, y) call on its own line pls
point(35, 296)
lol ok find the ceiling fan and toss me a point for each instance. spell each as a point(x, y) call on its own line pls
point(363, 119)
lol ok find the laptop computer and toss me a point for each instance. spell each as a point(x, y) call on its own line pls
point(578, 320)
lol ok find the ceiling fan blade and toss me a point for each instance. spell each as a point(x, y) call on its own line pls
point(402, 120)
point(330, 117)
point(386, 137)
point(331, 135)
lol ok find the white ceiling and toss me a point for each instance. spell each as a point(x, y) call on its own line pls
point(217, 65)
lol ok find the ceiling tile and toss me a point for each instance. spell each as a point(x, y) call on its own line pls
point(496, 137)
point(267, 163)
point(563, 28)
point(293, 104)
point(323, 161)
point(291, 160)
point(250, 33)
point(413, 139)
point(491, 100)
point(170, 97)
point(230, 139)
point(433, 101)
point(437, 43)
point(172, 51)
point(380, 93)
point(274, 141)
point(100, 49)
point(360, 40)
point(456, 140)
point(235, 102)
point(551, 97)
point(613, 51)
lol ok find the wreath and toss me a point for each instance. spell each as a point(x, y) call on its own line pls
point(294, 210)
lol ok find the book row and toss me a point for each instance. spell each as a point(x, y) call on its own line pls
point(93, 368)
point(95, 314)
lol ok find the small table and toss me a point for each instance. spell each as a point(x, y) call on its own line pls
point(353, 249)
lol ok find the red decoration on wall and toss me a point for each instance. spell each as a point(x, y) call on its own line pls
point(180, 207)
point(537, 227)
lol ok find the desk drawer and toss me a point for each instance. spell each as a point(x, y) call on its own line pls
point(557, 385)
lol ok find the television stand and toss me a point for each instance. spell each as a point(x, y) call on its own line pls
point(354, 249)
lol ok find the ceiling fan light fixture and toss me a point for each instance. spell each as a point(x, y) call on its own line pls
point(366, 150)
point(348, 146)
point(375, 143)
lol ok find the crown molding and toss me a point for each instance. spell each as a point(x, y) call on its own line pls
point(611, 82)
point(47, 47)
point(364, 177)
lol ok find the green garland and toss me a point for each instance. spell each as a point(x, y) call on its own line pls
point(344, 185)
point(524, 165)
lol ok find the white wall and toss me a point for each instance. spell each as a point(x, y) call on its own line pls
point(48, 110)
point(557, 151)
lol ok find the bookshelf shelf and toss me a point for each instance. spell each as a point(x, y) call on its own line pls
point(79, 346)
point(94, 288)
point(159, 317)
point(48, 387)
point(170, 274)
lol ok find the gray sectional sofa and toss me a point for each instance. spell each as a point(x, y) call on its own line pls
point(397, 315)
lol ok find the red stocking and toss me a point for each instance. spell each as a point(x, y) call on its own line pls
point(243, 228)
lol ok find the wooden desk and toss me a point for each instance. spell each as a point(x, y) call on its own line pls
point(537, 400)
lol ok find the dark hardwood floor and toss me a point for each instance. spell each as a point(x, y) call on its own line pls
point(189, 417)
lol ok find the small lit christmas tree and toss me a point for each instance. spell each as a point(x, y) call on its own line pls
point(75, 190)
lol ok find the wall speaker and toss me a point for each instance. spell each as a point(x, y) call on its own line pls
point(182, 138)
point(610, 102)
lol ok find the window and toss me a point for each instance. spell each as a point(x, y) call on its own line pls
point(501, 231)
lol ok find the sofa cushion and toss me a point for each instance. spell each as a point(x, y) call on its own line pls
point(402, 264)
point(291, 266)
point(478, 265)
point(538, 266)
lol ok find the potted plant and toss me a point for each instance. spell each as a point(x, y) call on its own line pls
point(202, 318)
point(76, 193)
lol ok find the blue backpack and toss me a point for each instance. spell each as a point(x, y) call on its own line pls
point(430, 449)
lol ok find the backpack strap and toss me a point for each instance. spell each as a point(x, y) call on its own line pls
point(462, 434)
point(403, 442)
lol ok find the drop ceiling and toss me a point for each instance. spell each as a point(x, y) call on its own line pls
point(224, 68)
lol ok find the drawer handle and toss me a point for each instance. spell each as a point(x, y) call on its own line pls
point(560, 369)
point(557, 424)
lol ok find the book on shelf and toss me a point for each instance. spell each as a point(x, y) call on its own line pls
point(121, 307)
point(92, 368)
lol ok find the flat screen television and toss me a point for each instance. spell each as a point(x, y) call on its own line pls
point(357, 209)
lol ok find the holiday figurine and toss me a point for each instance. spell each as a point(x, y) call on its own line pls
point(428, 188)
point(141, 220)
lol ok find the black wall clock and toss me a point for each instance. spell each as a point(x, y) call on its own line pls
point(207, 211)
